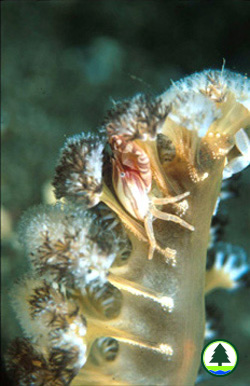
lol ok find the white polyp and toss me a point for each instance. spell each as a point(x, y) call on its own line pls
point(216, 206)
point(196, 99)
point(237, 273)
point(209, 332)
point(236, 165)
point(94, 162)
point(39, 222)
point(233, 262)
point(220, 81)
point(74, 337)
point(226, 195)
point(195, 112)
point(90, 150)
point(243, 143)
point(19, 298)
point(230, 262)
point(239, 163)
point(219, 260)
point(245, 103)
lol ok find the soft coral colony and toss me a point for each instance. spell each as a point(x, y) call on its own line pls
point(116, 291)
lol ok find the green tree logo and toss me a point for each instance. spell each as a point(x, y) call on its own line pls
point(220, 355)
point(219, 358)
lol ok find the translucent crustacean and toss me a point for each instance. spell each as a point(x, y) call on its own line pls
point(132, 181)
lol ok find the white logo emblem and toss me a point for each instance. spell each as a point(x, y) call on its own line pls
point(219, 357)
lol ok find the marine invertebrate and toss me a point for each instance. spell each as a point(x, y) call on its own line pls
point(109, 310)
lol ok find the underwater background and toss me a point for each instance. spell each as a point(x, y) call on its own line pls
point(63, 63)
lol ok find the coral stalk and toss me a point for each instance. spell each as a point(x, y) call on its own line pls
point(138, 291)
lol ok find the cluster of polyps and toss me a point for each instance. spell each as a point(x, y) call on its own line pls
point(103, 306)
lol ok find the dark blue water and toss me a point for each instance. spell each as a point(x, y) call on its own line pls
point(220, 372)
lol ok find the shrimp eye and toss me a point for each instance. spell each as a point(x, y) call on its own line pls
point(122, 174)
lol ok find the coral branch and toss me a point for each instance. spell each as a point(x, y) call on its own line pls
point(94, 307)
